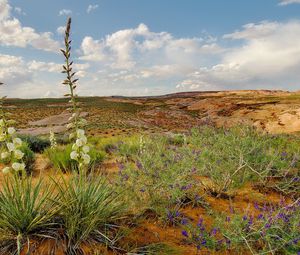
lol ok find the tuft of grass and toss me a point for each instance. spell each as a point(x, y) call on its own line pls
point(60, 158)
point(89, 207)
point(26, 211)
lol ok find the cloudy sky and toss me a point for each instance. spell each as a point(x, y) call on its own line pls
point(141, 47)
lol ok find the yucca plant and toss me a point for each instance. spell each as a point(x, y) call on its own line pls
point(80, 149)
point(88, 208)
point(26, 211)
point(10, 143)
point(60, 159)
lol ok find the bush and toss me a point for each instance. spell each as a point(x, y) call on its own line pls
point(161, 177)
point(272, 229)
point(87, 208)
point(233, 157)
point(60, 158)
point(36, 144)
point(25, 210)
point(29, 157)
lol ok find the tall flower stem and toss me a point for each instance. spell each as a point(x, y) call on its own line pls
point(80, 149)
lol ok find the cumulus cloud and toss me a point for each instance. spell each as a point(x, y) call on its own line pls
point(52, 67)
point(268, 57)
point(125, 48)
point(14, 34)
point(61, 30)
point(91, 8)
point(64, 12)
point(13, 70)
point(287, 2)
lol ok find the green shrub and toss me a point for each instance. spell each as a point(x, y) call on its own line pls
point(233, 157)
point(25, 210)
point(161, 177)
point(35, 143)
point(60, 158)
point(29, 157)
point(272, 229)
point(87, 208)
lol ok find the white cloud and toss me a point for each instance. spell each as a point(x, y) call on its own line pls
point(269, 57)
point(13, 70)
point(91, 8)
point(4, 9)
point(61, 30)
point(54, 67)
point(65, 12)
point(287, 2)
point(125, 48)
point(92, 50)
point(14, 34)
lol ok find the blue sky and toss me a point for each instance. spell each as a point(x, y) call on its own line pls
point(140, 47)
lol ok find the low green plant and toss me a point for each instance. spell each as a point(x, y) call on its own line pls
point(158, 176)
point(274, 230)
point(61, 160)
point(35, 143)
point(26, 211)
point(233, 157)
point(89, 208)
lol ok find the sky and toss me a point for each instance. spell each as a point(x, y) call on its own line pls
point(142, 47)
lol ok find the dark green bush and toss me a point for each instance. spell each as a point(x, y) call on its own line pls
point(35, 143)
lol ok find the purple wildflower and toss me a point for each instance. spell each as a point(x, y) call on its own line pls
point(200, 222)
point(184, 221)
point(214, 232)
point(139, 165)
point(184, 233)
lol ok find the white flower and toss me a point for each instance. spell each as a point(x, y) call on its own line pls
point(85, 149)
point(18, 166)
point(11, 130)
point(17, 141)
point(6, 170)
point(74, 155)
point(80, 133)
point(19, 154)
point(86, 159)
point(5, 155)
point(10, 146)
point(80, 142)
point(84, 139)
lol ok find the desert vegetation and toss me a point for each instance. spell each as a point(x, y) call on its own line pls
point(202, 189)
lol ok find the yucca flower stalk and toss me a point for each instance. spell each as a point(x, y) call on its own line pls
point(11, 151)
point(77, 134)
point(52, 139)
